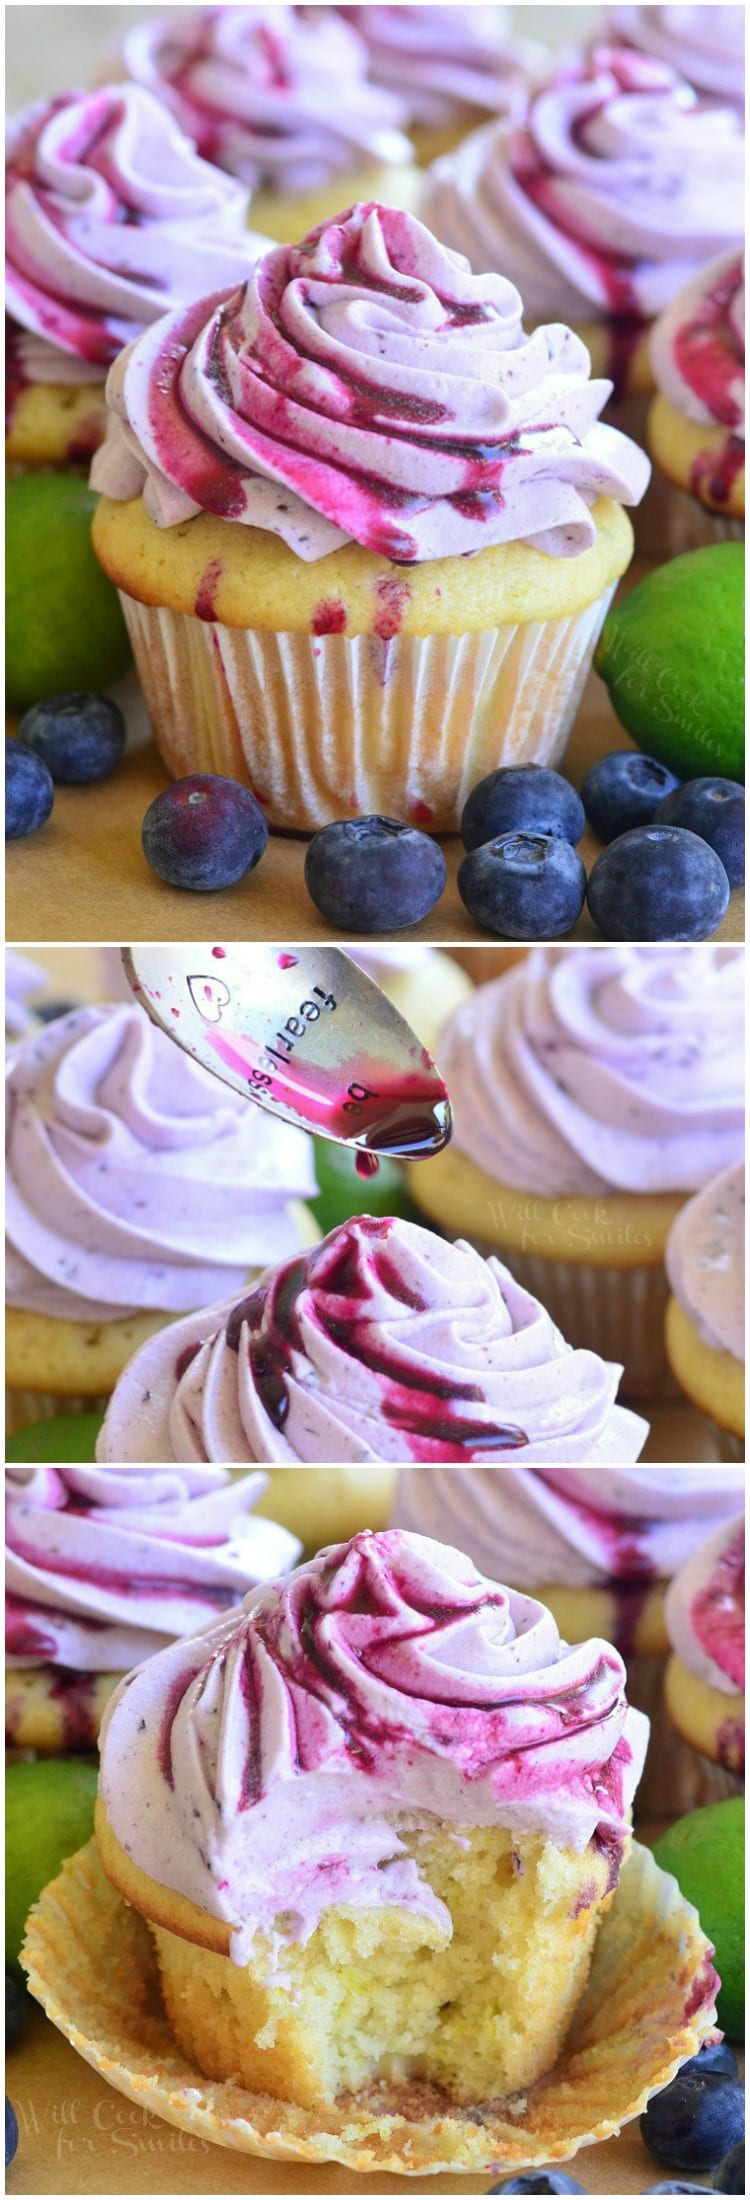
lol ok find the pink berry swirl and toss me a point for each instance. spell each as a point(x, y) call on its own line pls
point(262, 1767)
point(111, 219)
point(384, 1343)
point(447, 63)
point(698, 346)
point(278, 96)
point(706, 44)
point(365, 386)
point(705, 1610)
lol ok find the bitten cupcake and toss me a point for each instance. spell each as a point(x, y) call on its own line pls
point(281, 98)
point(110, 219)
point(705, 1678)
point(706, 44)
point(394, 1866)
point(705, 1319)
point(364, 529)
point(135, 1189)
point(104, 1569)
point(696, 424)
point(452, 67)
point(385, 1343)
point(592, 1088)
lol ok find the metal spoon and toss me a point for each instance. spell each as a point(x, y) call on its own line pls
point(306, 1034)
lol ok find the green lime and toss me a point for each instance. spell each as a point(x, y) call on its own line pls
point(672, 656)
point(343, 1192)
point(706, 1853)
point(49, 1813)
point(64, 625)
point(68, 1436)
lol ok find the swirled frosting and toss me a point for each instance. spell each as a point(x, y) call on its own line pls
point(383, 1343)
point(111, 218)
point(705, 1610)
point(279, 96)
point(698, 346)
point(448, 64)
point(131, 1180)
point(706, 44)
point(601, 1069)
point(262, 1770)
point(104, 1568)
point(615, 188)
point(580, 1527)
point(366, 387)
point(22, 978)
point(705, 1261)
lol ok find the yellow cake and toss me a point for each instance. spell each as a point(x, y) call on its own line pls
point(328, 1504)
point(55, 424)
point(54, 1365)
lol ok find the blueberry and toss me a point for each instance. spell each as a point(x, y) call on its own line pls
point(522, 799)
point(204, 832)
point(79, 737)
point(528, 886)
point(730, 2175)
point(373, 874)
point(676, 2186)
point(624, 790)
point(16, 2009)
point(29, 792)
point(715, 810)
point(658, 883)
point(695, 2120)
point(717, 2057)
point(11, 2131)
point(539, 2180)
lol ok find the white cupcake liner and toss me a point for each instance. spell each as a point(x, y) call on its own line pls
point(330, 726)
point(25, 1407)
point(617, 1312)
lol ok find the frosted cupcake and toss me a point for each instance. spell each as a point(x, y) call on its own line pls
point(705, 1321)
point(281, 98)
point(364, 529)
point(453, 68)
point(706, 44)
point(696, 424)
point(23, 978)
point(111, 218)
point(104, 1569)
point(592, 1088)
point(136, 1188)
point(383, 1344)
point(416, 1779)
point(705, 1677)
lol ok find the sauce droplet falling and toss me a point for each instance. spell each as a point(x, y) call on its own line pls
point(287, 962)
point(366, 1164)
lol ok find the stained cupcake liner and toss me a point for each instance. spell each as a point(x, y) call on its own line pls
point(24, 1407)
point(648, 2006)
point(334, 725)
point(617, 1312)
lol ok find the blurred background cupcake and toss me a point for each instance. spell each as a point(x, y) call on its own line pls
point(453, 68)
point(391, 576)
point(706, 44)
point(136, 1188)
point(111, 218)
point(696, 422)
point(593, 1088)
point(705, 1677)
point(282, 98)
point(705, 1318)
point(324, 1505)
point(23, 980)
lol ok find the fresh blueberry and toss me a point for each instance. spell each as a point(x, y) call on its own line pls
point(29, 792)
point(205, 833)
point(716, 2057)
point(658, 883)
point(730, 2175)
point(16, 2009)
point(79, 737)
point(11, 2131)
point(624, 790)
point(539, 2180)
point(715, 810)
point(676, 2186)
point(373, 874)
point(693, 2123)
point(527, 886)
point(523, 798)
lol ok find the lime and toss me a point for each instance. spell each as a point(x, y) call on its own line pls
point(68, 1436)
point(49, 1813)
point(64, 625)
point(671, 655)
point(706, 1853)
point(343, 1192)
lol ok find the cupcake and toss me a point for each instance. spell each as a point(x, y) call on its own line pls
point(395, 1867)
point(104, 1569)
point(696, 424)
point(364, 529)
point(706, 45)
point(705, 1677)
point(23, 978)
point(705, 1321)
point(110, 219)
point(136, 1188)
point(592, 1089)
point(453, 68)
point(281, 98)
point(384, 1343)
point(328, 1504)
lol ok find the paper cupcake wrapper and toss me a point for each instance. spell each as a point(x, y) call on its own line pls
point(648, 2006)
point(728, 1446)
point(337, 726)
point(24, 1407)
point(617, 1312)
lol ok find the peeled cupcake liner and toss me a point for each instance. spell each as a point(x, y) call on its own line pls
point(334, 725)
point(648, 2006)
point(617, 1312)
